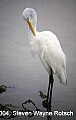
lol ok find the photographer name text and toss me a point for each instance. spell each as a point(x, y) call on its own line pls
point(37, 113)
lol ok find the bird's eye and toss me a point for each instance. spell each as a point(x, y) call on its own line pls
point(31, 15)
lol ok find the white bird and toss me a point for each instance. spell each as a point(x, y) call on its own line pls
point(47, 46)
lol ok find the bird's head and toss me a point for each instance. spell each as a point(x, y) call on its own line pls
point(30, 17)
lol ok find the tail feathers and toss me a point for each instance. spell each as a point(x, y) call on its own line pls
point(63, 78)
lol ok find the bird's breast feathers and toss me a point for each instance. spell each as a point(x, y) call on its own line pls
point(47, 44)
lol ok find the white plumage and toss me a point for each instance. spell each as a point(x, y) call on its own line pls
point(47, 46)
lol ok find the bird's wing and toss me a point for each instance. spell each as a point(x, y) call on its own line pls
point(52, 52)
point(51, 49)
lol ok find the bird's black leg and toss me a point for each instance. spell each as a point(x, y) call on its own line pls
point(51, 80)
point(48, 88)
point(49, 94)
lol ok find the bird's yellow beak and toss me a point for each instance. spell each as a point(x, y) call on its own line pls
point(30, 26)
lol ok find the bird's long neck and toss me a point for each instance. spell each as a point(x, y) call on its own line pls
point(30, 34)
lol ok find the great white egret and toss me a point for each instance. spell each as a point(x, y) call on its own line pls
point(47, 46)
